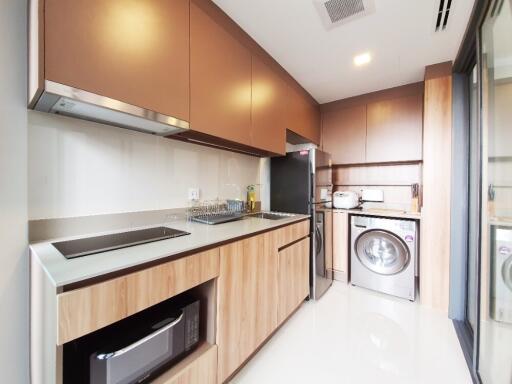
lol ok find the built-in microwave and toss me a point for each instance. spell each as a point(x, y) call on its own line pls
point(137, 349)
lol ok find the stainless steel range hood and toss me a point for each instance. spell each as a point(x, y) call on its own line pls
point(64, 100)
point(52, 97)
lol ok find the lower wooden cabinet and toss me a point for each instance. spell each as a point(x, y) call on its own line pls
point(198, 368)
point(258, 288)
point(293, 277)
point(85, 310)
point(247, 304)
point(341, 247)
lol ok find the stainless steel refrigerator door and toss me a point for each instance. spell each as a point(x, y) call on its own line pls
point(321, 176)
point(321, 251)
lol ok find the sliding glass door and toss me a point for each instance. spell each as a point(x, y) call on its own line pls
point(495, 320)
point(474, 205)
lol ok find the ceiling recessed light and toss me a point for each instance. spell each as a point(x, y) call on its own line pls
point(362, 59)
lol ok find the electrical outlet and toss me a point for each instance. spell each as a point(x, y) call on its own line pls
point(193, 194)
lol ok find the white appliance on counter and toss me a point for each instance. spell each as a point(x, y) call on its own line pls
point(501, 287)
point(372, 195)
point(345, 199)
point(384, 255)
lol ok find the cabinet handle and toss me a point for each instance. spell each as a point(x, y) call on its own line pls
point(120, 352)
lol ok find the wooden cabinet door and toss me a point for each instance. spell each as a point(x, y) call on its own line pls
point(129, 50)
point(293, 277)
point(303, 116)
point(247, 300)
point(341, 245)
point(269, 102)
point(220, 71)
point(395, 130)
point(344, 134)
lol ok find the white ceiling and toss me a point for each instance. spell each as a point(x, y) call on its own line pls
point(399, 35)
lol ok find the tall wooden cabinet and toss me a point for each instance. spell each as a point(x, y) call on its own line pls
point(133, 51)
point(220, 76)
point(435, 246)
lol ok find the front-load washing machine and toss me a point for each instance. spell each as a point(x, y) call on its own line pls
point(501, 280)
point(384, 255)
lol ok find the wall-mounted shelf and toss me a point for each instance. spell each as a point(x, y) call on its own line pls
point(387, 164)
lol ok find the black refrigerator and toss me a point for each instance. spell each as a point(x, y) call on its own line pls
point(301, 182)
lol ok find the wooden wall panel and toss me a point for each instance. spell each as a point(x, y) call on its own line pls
point(435, 226)
point(88, 309)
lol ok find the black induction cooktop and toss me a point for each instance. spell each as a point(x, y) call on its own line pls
point(92, 245)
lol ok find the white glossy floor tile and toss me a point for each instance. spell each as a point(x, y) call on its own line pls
point(356, 336)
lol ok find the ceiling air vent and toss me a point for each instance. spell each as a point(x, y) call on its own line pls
point(337, 12)
point(442, 14)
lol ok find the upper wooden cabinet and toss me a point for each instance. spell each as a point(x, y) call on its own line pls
point(269, 103)
point(220, 75)
point(128, 50)
point(379, 127)
point(344, 134)
point(303, 116)
point(395, 130)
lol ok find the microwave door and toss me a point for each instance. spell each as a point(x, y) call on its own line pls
point(131, 364)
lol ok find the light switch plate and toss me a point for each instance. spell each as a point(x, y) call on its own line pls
point(193, 194)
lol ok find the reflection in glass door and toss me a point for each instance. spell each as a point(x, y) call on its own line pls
point(495, 330)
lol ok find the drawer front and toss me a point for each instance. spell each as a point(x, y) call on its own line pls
point(88, 309)
point(291, 233)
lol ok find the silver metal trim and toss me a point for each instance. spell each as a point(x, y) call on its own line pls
point(120, 352)
point(35, 52)
point(53, 89)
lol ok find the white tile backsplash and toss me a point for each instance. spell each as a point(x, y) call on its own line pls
point(79, 168)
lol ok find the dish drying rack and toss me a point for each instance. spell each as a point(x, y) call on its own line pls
point(217, 212)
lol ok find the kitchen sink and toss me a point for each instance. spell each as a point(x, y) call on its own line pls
point(270, 215)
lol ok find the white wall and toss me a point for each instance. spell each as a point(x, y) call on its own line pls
point(14, 295)
point(79, 168)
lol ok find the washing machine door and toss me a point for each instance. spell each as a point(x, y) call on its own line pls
point(382, 252)
point(506, 273)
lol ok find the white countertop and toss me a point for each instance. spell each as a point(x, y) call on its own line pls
point(62, 271)
point(382, 213)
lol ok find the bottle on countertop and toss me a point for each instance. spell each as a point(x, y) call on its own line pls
point(251, 198)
